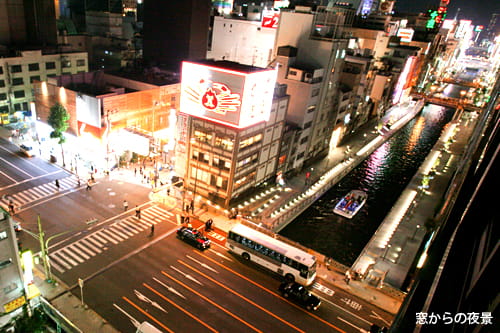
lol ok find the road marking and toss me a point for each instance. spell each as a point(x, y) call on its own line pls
point(59, 260)
point(269, 291)
point(202, 264)
point(323, 289)
point(212, 302)
point(144, 298)
point(169, 288)
point(379, 317)
point(77, 250)
point(7, 176)
point(243, 297)
point(134, 321)
point(353, 304)
point(105, 235)
point(186, 275)
point(147, 314)
point(179, 307)
point(349, 323)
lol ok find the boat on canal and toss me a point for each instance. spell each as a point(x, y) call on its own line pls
point(350, 204)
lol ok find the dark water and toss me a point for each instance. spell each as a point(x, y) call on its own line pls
point(383, 175)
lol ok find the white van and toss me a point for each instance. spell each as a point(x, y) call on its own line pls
point(146, 327)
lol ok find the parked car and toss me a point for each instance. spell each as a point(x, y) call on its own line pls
point(193, 237)
point(27, 150)
point(299, 294)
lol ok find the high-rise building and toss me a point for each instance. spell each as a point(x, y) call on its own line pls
point(28, 22)
point(175, 31)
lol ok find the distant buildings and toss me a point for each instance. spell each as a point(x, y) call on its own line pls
point(19, 72)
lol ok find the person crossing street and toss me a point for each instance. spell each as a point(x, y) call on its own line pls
point(137, 212)
point(125, 205)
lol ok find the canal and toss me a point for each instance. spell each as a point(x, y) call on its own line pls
point(383, 176)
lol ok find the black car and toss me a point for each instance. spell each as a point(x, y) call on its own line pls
point(193, 237)
point(300, 294)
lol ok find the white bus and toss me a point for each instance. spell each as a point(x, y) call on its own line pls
point(288, 261)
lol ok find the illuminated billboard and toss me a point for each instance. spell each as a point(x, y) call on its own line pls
point(406, 34)
point(226, 96)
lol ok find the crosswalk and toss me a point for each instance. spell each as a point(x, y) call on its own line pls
point(85, 248)
point(41, 191)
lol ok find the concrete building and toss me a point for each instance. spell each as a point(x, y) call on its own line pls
point(111, 115)
point(18, 74)
point(12, 289)
point(229, 130)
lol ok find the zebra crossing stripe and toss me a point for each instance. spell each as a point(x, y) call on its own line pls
point(127, 227)
point(45, 189)
point(112, 240)
point(55, 256)
point(21, 198)
point(71, 254)
point(89, 244)
point(68, 181)
point(119, 233)
point(38, 192)
point(112, 234)
point(97, 239)
point(122, 231)
point(68, 259)
point(132, 222)
point(137, 227)
point(78, 250)
point(56, 266)
point(143, 221)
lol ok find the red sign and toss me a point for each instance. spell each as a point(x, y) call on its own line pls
point(271, 20)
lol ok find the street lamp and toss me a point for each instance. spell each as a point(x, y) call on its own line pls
point(108, 132)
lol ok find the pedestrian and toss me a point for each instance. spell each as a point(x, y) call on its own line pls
point(168, 191)
point(57, 184)
point(140, 171)
point(78, 181)
point(125, 205)
point(347, 277)
point(186, 219)
point(137, 212)
point(135, 172)
point(11, 207)
point(152, 229)
point(89, 185)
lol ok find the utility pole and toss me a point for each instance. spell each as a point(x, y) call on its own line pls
point(44, 247)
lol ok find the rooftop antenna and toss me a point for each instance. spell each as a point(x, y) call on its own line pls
point(456, 15)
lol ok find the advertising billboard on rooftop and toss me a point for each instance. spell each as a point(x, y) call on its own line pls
point(237, 99)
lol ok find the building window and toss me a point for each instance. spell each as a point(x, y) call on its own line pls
point(251, 141)
point(17, 81)
point(307, 125)
point(2, 83)
point(224, 143)
point(248, 160)
point(18, 107)
point(66, 63)
point(19, 94)
point(315, 92)
point(311, 109)
point(80, 62)
point(3, 96)
point(33, 67)
point(293, 73)
point(16, 69)
point(1, 70)
point(299, 156)
point(202, 136)
point(50, 65)
point(3, 235)
point(51, 75)
point(304, 140)
point(4, 109)
point(35, 78)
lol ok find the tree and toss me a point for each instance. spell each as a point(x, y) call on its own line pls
point(58, 120)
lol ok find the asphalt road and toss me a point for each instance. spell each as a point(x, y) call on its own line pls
point(130, 276)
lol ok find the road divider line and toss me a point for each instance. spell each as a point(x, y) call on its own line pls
point(212, 302)
point(270, 291)
point(179, 307)
point(242, 297)
point(147, 314)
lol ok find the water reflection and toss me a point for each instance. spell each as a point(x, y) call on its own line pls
point(383, 175)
